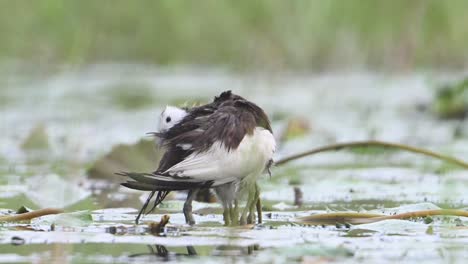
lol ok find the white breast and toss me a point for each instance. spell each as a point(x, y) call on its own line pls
point(247, 160)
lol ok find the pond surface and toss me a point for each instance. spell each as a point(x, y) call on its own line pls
point(55, 124)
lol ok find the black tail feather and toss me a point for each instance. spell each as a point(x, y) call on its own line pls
point(158, 183)
point(149, 182)
point(159, 199)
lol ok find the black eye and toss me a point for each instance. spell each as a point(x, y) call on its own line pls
point(168, 119)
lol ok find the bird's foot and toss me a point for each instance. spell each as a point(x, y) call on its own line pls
point(226, 217)
point(243, 219)
point(188, 215)
point(251, 218)
point(234, 216)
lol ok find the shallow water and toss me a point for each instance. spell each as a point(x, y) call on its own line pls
point(83, 113)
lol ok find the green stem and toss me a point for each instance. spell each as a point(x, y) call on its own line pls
point(30, 215)
point(374, 143)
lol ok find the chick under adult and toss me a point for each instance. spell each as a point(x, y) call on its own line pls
point(168, 118)
point(224, 145)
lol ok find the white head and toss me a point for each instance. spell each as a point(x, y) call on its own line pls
point(170, 116)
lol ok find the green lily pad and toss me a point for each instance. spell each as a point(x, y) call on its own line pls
point(142, 156)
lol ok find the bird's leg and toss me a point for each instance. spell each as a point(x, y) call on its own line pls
point(259, 210)
point(256, 203)
point(248, 205)
point(191, 251)
point(227, 214)
point(188, 206)
point(234, 213)
point(144, 207)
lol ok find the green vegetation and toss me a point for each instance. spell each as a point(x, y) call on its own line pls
point(316, 34)
point(452, 100)
point(129, 97)
point(37, 138)
point(141, 156)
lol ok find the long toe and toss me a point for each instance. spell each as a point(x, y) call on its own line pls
point(251, 218)
point(189, 218)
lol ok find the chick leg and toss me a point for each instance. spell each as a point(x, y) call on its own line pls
point(259, 210)
point(248, 205)
point(234, 213)
point(256, 203)
point(188, 206)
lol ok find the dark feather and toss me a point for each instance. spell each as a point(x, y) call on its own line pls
point(139, 186)
point(227, 120)
point(148, 182)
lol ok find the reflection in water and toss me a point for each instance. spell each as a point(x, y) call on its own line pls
point(230, 250)
point(161, 252)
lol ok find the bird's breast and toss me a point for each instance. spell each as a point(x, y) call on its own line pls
point(252, 154)
point(222, 165)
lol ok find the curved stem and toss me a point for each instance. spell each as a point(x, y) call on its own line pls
point(374, 143)
point(30, 215)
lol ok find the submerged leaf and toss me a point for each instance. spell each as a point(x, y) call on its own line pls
point(451, 100)
point(37, 139)
point(141, 156)
point(335, 218)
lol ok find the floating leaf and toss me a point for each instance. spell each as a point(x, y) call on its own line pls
point(53, 191)
point(80, 218)
point(394, 226)
point(366, 218)
point(335, 218)
point(360, 232)
point(141, 156)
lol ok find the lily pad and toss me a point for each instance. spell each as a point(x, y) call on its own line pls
point(53, 191)
point(394, 227)
point(142, 156)
point(75, 219)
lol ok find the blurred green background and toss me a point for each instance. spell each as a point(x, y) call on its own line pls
point(316, 34)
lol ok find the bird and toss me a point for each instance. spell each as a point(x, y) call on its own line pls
point(226, 145)
point(172, 115)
